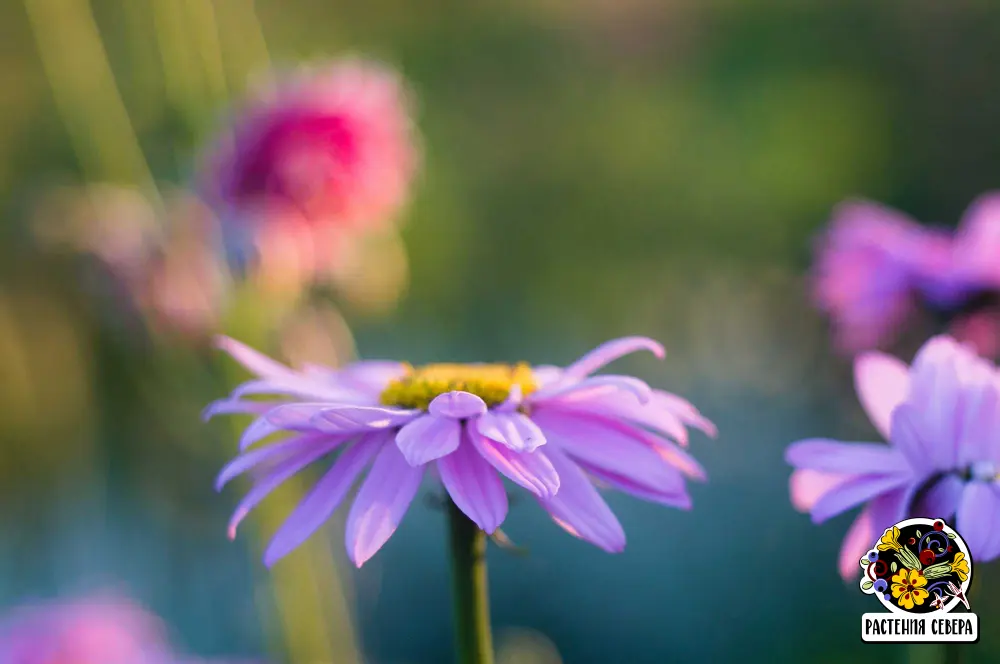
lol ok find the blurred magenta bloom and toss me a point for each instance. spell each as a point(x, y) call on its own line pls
point(318, 155)
point(550, 430)
point(876, 267)
point(941, 417)
point(91, 631)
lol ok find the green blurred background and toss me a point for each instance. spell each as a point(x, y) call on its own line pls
point(593, 169)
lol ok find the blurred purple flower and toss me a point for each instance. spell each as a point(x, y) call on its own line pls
point(317, 156)
point(942, 419)
point(90, 631)
point(876, 267)
point(547, 429)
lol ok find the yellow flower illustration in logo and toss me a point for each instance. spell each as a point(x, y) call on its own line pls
point(960, 566)
point(908, 588)
point(890, 540)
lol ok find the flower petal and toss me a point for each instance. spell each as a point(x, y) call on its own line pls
point(941, 500)
point(457, 405)
point(474, 486)
point(597, 445)
point(806, 486)
point(269, 482)
point(595, 386)
point(532, 470)
point(381, 504)
point(338, 419)
point(324, 497)
point(369, 376)
point(684, 410)
point(977, 519)
point(229, 406)
point(256, 363)
point(609, 352)
point(284, 448)
point(857, 541)
point(853, 458)
point(579, 509)
point(427, 438)
point(852, 493)
point(680, 500)
point(514, 430)
point(257, 431)
point(882, 383)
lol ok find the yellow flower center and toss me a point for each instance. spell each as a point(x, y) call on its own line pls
point(490, 382)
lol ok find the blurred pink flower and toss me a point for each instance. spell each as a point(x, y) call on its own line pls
point(92, 631)
point(162, 263)
point(95, 630)
point(876, 267)
point(318, 155)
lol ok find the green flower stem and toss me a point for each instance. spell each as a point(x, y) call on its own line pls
point(471, 594)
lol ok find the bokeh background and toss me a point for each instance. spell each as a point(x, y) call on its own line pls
point(593, 168)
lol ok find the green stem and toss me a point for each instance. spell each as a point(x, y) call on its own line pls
point(471, 595)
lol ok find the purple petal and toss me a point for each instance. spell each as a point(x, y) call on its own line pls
point(936, 393)
point(609, 352)
point(977, 519)
point(514, 430)
point(457, 405)
point(427, 438)
point(680, 460)
point(474, 486)
point(229, 406)
point(882, 383)
point(295, 415)
point(610, 450)
point(684, 410)
point(370, 375)
point(299, 387)
point(279, 450)
point(836, 457)
point(269, 482)
point(579, 509)
point(532, 470)
point(806, 486)
point(381, 504)
point(942, 499)
point(890, 508)
point(256, 363)
point(513, 400)
point(979, 422)
point(593, 388)
point(852, 493)
point(359, 418)
point(621, 407)
point(258, 430)
point(680, 500)
point(324, 498)
point(857, 541)
point(911, 438)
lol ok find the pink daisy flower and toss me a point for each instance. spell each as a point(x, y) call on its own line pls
point(941, 417)
point(317, 155)
point(875, 267)
point(551, 430)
